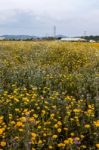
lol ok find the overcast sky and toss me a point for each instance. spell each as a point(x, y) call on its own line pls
point(37, 17)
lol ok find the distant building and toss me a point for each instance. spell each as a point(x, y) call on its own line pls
point(73, 39)
point(92, 41)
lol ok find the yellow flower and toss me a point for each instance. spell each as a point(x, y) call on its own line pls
point(77, 110)
point(84, 146)
point(1, 131)
point(77, 138)
point(12, 122)
point(19, 124)
point(89, 106)
point(61, 145)
point(17, 110)
point(87, 126)
point(35, 116)
point(23, 119)
point(31, 119)
point(59, 123)
point(40, 142)
point(33, 134)
point(97, 145)
point(52, 115)
point(72, 134)
point(21, 130)
point(82, 136)
point(50, 147)
point(39, 127)
point(96, 123)
point(66, 129)
point(17, 100)
point(16, 137)
point(1, 119)
point(54, 136)
point(66, 142)
point(43, 112)
point(56, 126)
point(3, 144)
point(70, 140)
point(44, 134)
point(59, 130)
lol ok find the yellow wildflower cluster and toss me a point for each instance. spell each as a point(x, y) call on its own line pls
point(40, 120)
point(49, 95)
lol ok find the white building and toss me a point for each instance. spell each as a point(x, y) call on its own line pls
point(92, 41)
point(73, 39)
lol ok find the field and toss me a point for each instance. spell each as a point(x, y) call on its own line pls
point(49, 95)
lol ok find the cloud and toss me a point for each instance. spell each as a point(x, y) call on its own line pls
point(24, 22)
point(38, 17)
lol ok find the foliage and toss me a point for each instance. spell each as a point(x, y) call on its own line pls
point(49, 95)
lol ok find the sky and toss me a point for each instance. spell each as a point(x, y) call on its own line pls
point(38, 17)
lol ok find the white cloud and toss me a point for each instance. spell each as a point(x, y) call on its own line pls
point(70, 16)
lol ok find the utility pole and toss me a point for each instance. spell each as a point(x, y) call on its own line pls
point(54, 31)
point(85, 33)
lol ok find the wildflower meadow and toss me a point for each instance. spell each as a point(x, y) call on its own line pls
point(49, 95)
